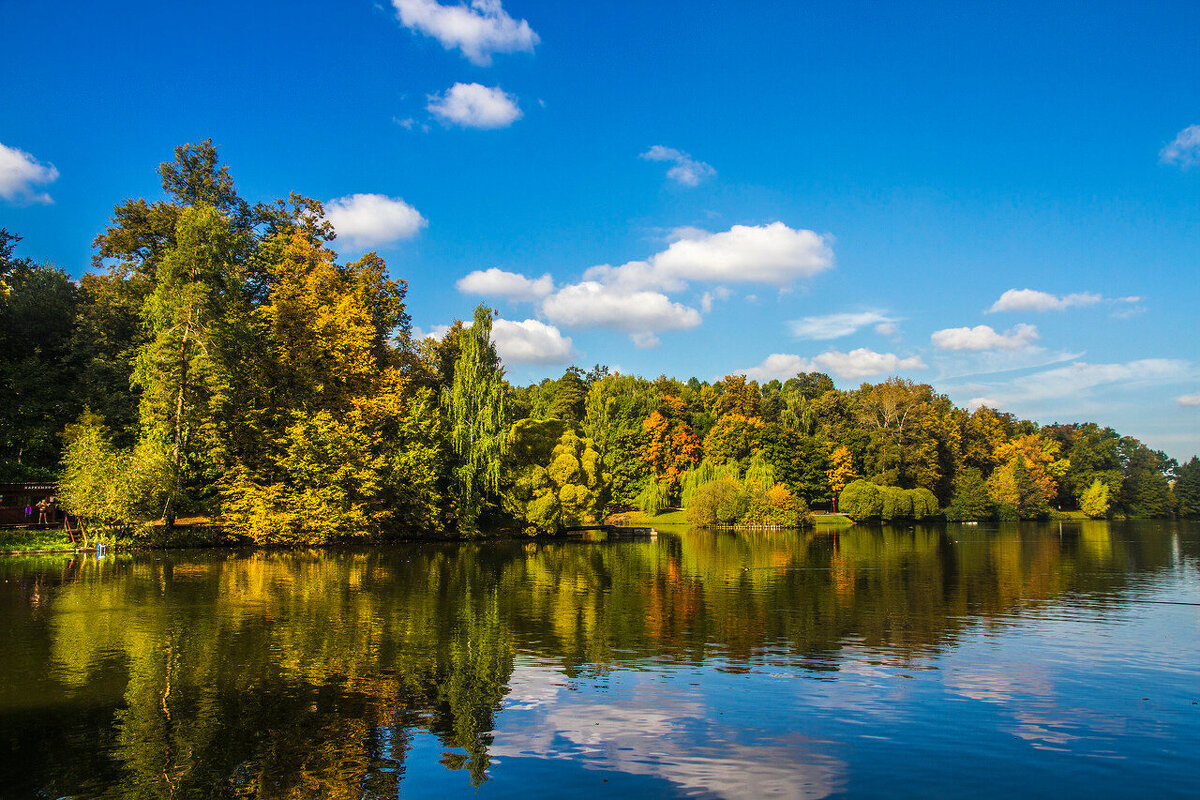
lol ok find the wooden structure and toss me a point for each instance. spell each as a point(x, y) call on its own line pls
point(19, 504)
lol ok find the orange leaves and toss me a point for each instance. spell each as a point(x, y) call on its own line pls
point(672, 447)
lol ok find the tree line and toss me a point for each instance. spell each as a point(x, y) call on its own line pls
point(219, 361)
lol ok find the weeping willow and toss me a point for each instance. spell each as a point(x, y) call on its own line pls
point(706, 471)
point(653, 498)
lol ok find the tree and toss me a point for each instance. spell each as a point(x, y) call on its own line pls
point(671, 447)
point(1144, 488)
point(1016, 491)
point(184, 369)
point(553, 476)
point(841, 473)
point(1095, 500)
point(861, 500)
point(970, 499)
point(733, 438)
point(476, 407)
point(1187, 488)
point(37, 380)
point(737, 396)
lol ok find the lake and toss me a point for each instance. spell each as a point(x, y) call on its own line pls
point(1038, 660)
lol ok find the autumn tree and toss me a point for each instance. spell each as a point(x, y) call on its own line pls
point(841, 473)
point(671, 446)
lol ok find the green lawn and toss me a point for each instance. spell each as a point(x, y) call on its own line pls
point(832, 520)
point(674, 516)
point(24, 541)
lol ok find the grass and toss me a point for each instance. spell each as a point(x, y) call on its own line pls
point(673, 516)
point(25, 541)
point(828, 520)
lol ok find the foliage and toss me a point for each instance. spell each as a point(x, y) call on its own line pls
point(476, 407)
point(733, 438)
point(1095, 501)
point(841, 473)
point(1017, 491)
point(671, 447)
point(971, 499)
point(37, 313)
point(862, 500)
point(722, 501)
point(107, 486)
point(1187, 488)
point(653, 498)
point(554, 476)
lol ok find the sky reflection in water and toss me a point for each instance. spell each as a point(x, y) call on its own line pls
point(1032, 660)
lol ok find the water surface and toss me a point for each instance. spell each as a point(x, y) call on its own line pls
point(1038, 660)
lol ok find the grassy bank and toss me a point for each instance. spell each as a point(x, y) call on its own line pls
point(27, 541)
point(678, 516)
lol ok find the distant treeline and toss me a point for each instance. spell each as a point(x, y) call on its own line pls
point(220, 362)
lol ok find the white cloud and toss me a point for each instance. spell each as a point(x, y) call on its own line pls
point(1033, 300)
point(495, 282)
point(1184, 149)
point(473, 105)
point(1077, 378)
point(855, 365)
point(863, 363)
point(834, 326)
point(685, 170)
point(590, 304)
point(20, 172)
point(531, 342)
point(369, 220)
point(709, 298)
point(478, 30)
point(773, 254)
point(1188, 400)
point(983, 337)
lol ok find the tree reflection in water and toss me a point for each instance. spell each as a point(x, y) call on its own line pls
point(309, 673)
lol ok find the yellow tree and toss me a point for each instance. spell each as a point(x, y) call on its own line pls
point(841, 472)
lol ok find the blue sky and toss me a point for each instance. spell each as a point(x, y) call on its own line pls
point(710, 187)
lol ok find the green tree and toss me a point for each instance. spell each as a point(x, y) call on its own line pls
point(476, 407)
point(37, 380)
point(970, 499)
point(184, 370)
point(1187, 488)
point(553, 477)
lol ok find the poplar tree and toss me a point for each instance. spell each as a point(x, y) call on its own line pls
point(476, 406)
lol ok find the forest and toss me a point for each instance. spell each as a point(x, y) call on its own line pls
point(219, 363)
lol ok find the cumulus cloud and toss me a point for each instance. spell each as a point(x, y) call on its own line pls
point(631, 297)
point(1033, 300)
point(773, 254)
point(531, 342)
point(20, 173)
point(370, 220)
point(685, 170)
point(495, 282)
point(478, 30)
point(834, 326)
point(1188, 400)
point(855, 365)
point(590, 304)
point(473, 105)
point(1184, 149)
point(983, 337)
